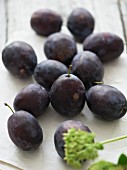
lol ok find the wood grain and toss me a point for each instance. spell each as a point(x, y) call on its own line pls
point(106, 13)
point(111, 16)
point(123, 13)
point(3, 20)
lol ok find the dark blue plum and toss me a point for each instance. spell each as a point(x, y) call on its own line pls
point(33, 98)
point(107, 46)
point(67, 95)
point(63, 128)
point(88, 68)
point(106, 102)
point(80, 23)
point(19, 59)
point(48, 71)
point(24, 130)
point(46, 21)
point(61, 47)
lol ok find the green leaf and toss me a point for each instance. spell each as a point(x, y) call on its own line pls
point(102, 165)
point(122, 160)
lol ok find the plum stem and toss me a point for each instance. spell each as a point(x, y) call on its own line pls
point(80, 146)
point(69, 70)
point(9, 107)
point(98, 82)
point(124, 109)
point(113, 139)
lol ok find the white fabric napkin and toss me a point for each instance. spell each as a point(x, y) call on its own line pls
point(45, 157)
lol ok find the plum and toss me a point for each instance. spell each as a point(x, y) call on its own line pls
point(75, 143)
point(46, 22)
point(106, 102)
point(88, 68)
point(33, 99)
point(19, 59)
point(106, 45)
point(63, 128)
point(24, 130)
point(80, 23)
point(67, 95)
point(48, 71)
point(61, 47)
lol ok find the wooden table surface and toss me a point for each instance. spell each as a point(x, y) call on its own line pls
point(110, 16)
